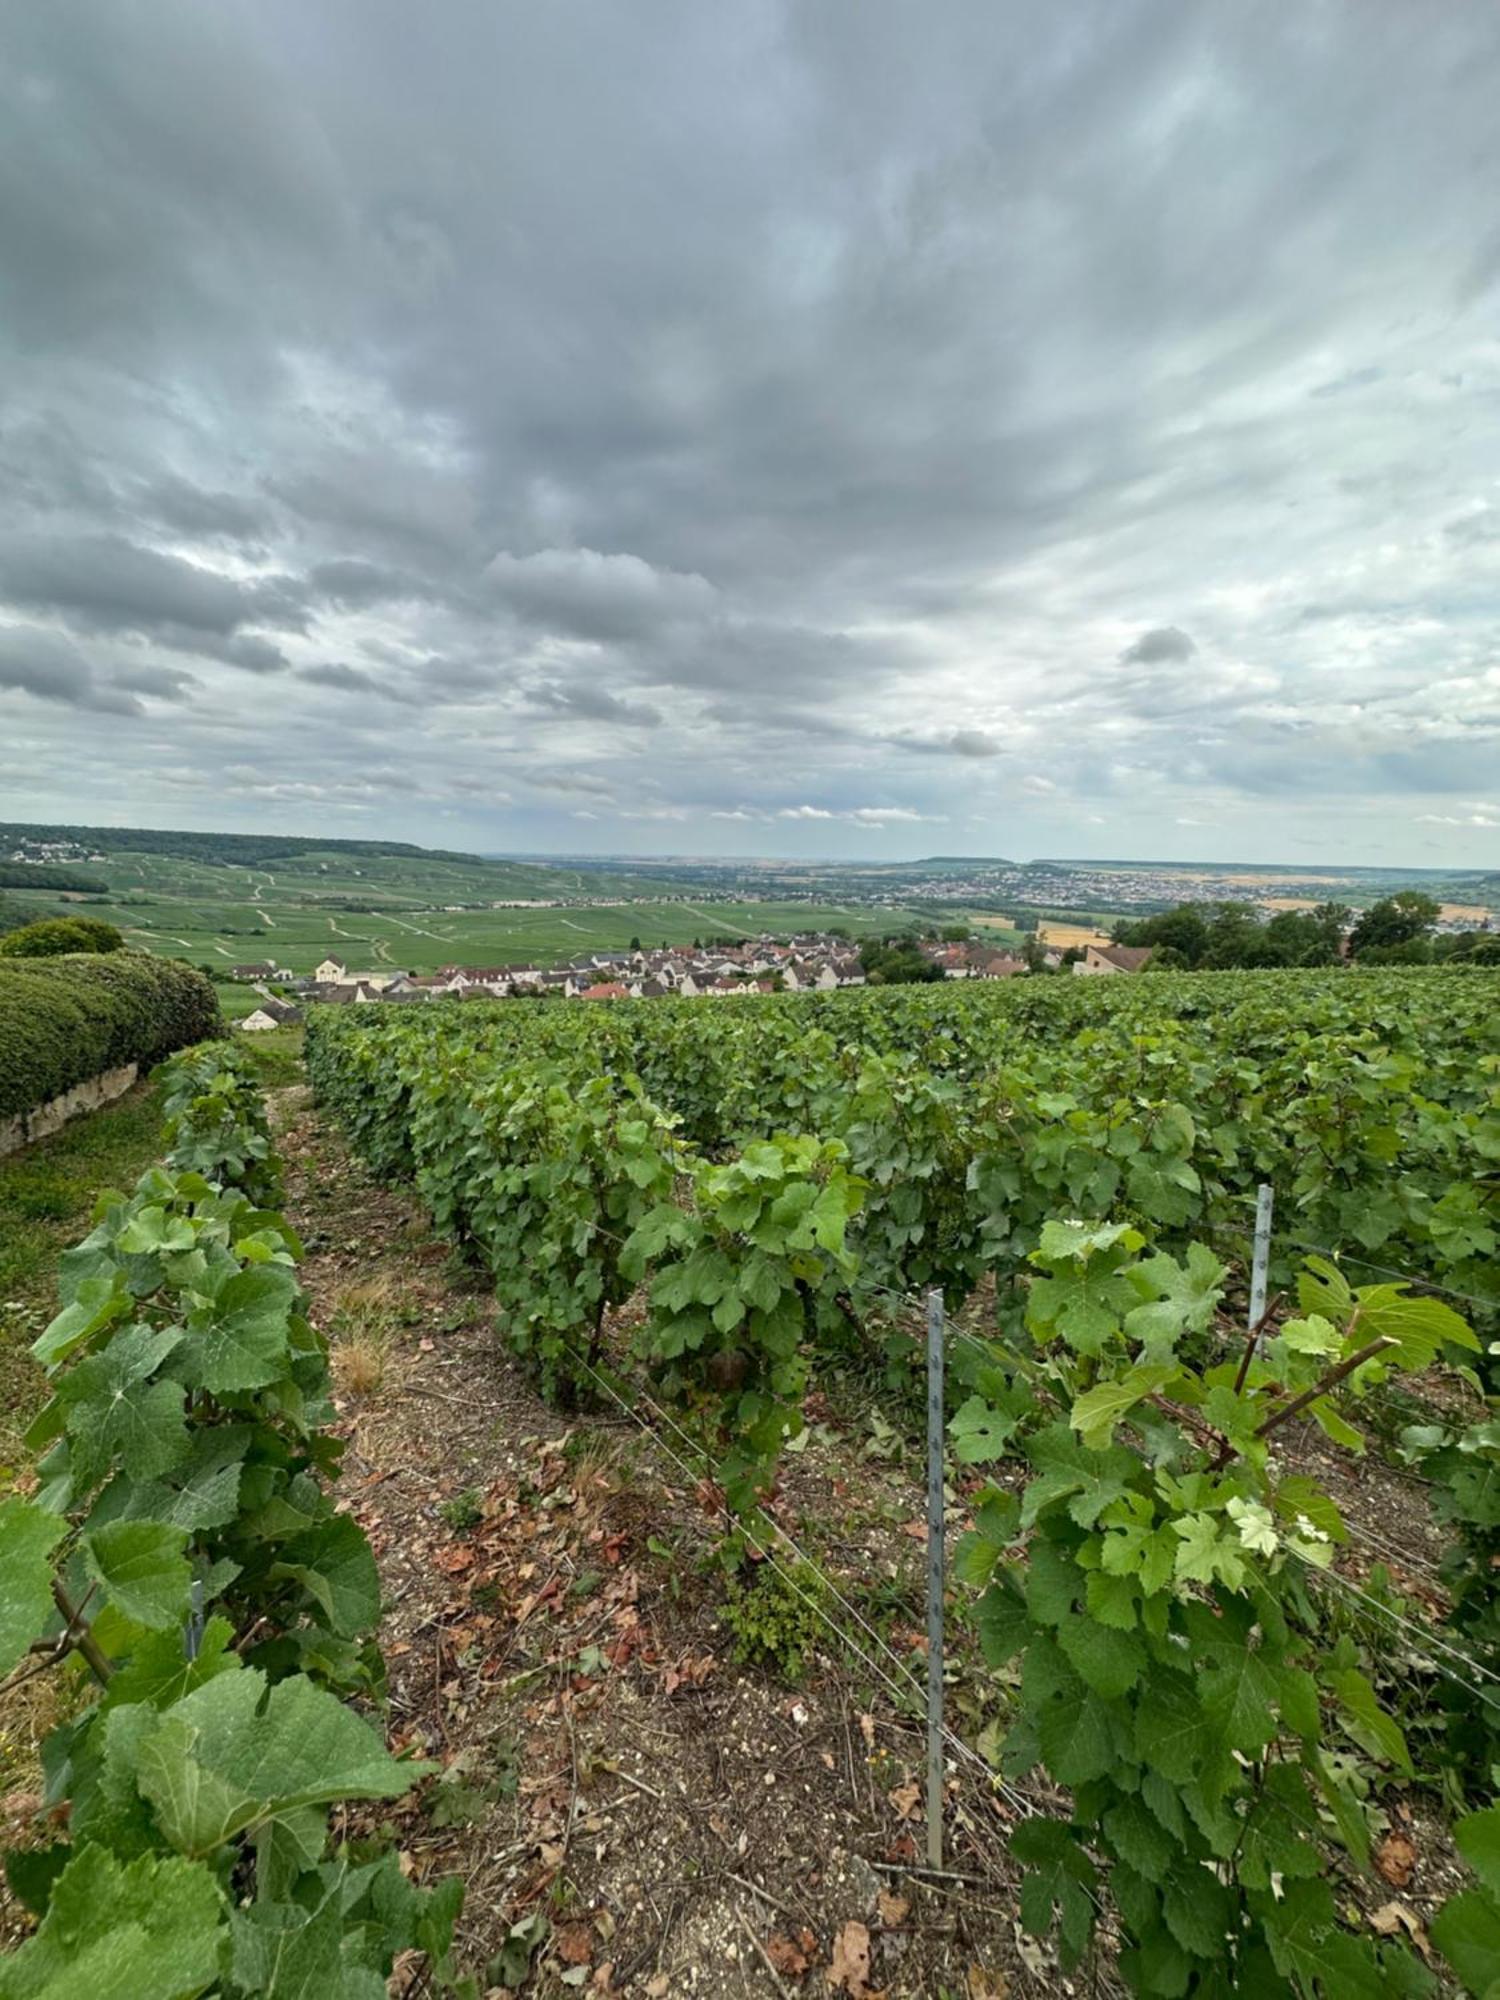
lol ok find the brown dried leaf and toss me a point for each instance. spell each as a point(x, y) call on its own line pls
point(1396, 1858)
point(893, 1909)
point(905, 1799)
point(789, 1959)
point(1393, 1918)
point(984, 1985)
point(850, 1966)
point(867, 1730)
point(575, 1945)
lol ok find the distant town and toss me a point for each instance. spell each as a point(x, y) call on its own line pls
point(817, 962)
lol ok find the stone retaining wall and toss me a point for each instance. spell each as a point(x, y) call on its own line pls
point(53, 1115)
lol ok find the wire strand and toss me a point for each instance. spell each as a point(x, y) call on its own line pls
point(913, 1686)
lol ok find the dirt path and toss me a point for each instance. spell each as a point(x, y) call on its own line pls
point(679, 1825)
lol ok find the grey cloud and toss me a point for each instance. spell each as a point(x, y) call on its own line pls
point(344, 679)
point(1475, 530)
point(822, 444)
point(354, 584)
point(595, 596)
point(595, 704)
point(1162, 642)
point(166, 683)
point(111, 584)
point(46, 666)
point(197, 513)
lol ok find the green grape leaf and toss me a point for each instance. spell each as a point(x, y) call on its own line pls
point(1108, 1660)
point(1309, 1947)
point(1096, 1412)
point(1205, 1554)
point(220, 1762)
point(334, 1564)
point(1376, 1732)
point(1112, 1600)
point(1478, 1838)
point(1140, 1839)
point(1238, 1690)
point(149, 1929)
point(979, 1432)
point(28, 1536)
point(143, 1569)
point(1083, 1304)
point(1068, 1470)
point(111, 1412)
point(1173, 1730)
point(1002, 1620)
point(1423, 1326)
point(285, 1952)
point(1466, 1930)
point(160, 1672)
point(1076, 1739)
point(1179, 1298)
point(240, 1340)
point(98, 1303)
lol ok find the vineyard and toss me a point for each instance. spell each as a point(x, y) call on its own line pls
point(712, 1213)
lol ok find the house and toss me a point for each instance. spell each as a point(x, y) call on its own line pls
point(608, 989)
point(271, 1014)
point(329, 973)
point(250, 973)
point(1106, 958)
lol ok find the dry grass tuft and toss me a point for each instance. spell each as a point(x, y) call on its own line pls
point(362, 1326)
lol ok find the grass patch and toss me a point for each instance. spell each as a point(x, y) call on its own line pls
point(276, 1054)
point(47, 1196)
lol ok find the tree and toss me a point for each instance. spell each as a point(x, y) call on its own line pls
point(635, 944)
point(895, 960)
point(1185, 929)
point(50, 937)
point(956, 933)
point(1403, 919)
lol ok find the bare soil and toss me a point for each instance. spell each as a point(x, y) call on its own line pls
point(684, 1825)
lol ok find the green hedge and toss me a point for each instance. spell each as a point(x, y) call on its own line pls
point(63, 1020)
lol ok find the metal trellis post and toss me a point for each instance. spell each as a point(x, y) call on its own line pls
point(934, 1579)
point(1261, 1260)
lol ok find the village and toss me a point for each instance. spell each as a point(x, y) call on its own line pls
point(814, 961)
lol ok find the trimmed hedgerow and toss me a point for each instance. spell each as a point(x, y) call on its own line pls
point(63, 1020)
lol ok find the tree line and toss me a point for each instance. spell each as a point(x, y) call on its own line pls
point(1396, 930)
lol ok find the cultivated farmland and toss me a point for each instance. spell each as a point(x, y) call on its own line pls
point(1168, 1528)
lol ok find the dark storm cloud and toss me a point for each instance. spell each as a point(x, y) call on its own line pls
point(833, 446)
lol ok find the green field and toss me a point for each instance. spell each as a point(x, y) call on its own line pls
point(413, 912)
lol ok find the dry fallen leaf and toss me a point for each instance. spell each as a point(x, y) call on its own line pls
point(894, 1909)
point(904, 1799)
point(850, 1967)
point(984, 1985)
point(1392, 1918)
point(574, 1944)
point(789, 1959)
point(1396, 1858)
point(867, 1730)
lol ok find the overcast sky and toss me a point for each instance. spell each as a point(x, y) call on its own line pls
point(713, 426)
